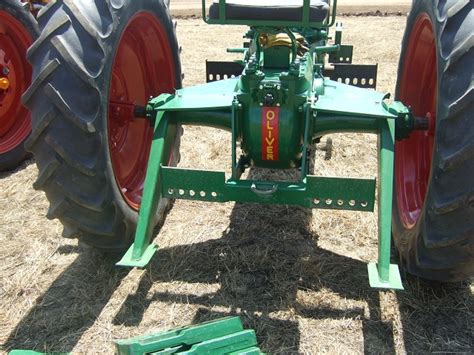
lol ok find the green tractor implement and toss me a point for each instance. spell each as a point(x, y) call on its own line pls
point(107, 152)
point(222, 336)
point(274, 108)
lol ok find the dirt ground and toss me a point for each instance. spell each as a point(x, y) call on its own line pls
point(193, 7)
point(297, 277)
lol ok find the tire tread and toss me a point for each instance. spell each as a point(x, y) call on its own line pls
point(69, 138)
point(441, 246)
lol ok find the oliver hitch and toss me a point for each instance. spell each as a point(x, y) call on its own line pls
point(275, 102)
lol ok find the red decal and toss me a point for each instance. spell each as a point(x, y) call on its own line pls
point(270, 133)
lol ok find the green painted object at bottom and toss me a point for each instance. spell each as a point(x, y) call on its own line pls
point(249, 351)
point(394, 281)
point(222, 336)
point(32, 352)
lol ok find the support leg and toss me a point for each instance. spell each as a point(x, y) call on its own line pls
point(383, 274)
point(141, 251)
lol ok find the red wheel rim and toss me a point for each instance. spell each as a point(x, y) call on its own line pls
point(15, 123)
point(418, 89)
point(143, 67)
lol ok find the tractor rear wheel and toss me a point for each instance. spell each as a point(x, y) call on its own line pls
point(433, 211)
point(93, 61)
point(18, 29)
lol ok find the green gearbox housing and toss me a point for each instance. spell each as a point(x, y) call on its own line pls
point(286, 91)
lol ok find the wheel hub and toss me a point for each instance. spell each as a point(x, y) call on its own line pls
point(143, 67)
point(15, 78)
point(418, 89)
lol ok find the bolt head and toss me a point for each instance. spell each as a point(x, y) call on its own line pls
point(5, 71)
point(4, 84)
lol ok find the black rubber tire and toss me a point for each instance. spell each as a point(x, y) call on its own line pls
point(11, 159)
point(441, 245)
point(72, 66)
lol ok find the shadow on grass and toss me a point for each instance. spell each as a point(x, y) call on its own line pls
point(437, 317)
point(70, 305)
point(22, 166)
point(265, 257)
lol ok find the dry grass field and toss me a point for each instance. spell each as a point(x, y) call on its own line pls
point(297, 277)
point(193, 7)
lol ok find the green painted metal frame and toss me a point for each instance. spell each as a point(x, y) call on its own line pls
point(311, 106)
point(222, 336)
point(313, 192)
point(383, 274)
point(337, 111)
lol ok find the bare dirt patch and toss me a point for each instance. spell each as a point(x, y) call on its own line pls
point(297, 277)
point(189, 8)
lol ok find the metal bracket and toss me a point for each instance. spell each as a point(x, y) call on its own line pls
point(142, 250)
point(383, 274)
point(394, 281)
point(216, 71)
point(316, 192)
point(360, 75)
point(264, 192)
point(343, 56)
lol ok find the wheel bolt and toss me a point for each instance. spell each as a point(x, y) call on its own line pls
point(4, 84)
